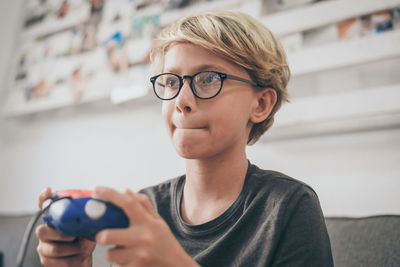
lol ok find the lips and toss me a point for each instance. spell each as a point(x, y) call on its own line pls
point(189, 126)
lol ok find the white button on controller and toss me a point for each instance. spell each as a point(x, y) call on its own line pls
point(58, 207)
point(95, 209)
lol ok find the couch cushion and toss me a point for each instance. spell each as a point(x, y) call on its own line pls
point(12, 229)
point(367, 241)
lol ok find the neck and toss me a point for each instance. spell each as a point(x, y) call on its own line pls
point(212, 185)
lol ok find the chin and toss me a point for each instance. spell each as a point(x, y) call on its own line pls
point(188, 153)
point(196, 152)
point(191, 151)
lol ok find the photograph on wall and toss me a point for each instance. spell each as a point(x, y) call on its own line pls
point(366, 25)
point(45, 17)
point(79, 51)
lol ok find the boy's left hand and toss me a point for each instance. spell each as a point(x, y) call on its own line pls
point(147, 241)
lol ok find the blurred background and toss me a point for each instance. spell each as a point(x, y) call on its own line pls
point(77, 110)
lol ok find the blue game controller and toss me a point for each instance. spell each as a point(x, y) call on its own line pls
point(77, 213)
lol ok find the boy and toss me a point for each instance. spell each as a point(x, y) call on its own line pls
point(222, 76)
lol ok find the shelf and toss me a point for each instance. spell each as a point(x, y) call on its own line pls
point(169, 16)
point(345, 53)
point(302, 18)
point(333, 127)
point(53, 25)
point(336, 113)
point(59, 97)
point(321, 14)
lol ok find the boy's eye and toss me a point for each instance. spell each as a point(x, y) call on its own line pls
point(171, 82)
point(207, 78)
point(210, 78)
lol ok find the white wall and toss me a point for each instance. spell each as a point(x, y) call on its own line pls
point(119, 148)
point(353, 174)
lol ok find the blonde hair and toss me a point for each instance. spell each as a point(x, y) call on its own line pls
point(240, 39)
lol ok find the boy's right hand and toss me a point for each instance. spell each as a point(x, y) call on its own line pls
point(58, 250)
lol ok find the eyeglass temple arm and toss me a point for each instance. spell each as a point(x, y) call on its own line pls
point(232, 77)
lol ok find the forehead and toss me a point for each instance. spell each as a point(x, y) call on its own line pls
point(185, 58)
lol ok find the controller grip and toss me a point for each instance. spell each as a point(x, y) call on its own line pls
point(84, 217)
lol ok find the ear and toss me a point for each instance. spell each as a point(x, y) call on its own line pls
point(265, 102)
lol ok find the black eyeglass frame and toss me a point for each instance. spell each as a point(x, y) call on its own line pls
point(223, 77)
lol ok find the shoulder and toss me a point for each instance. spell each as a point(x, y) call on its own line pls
point(294, 210)
point(290, 202)
point(162, 192)
point(166, 185)
point(276, 188)
point(273, 181)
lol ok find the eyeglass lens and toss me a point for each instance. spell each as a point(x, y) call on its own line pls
point(204, 85)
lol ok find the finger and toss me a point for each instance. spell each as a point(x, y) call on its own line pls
point(128, 203)
point(45, 194)
point(48, 234)
point(119, 237)
point(124, 256)
point(145, 201)
point(80, 246)
point(68, 261)
point(118, 255)
point(53, 249)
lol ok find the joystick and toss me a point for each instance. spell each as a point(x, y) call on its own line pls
point(77, 213)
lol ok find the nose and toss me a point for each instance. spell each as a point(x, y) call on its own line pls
point(186, 101)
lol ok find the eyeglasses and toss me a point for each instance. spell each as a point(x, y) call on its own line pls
point(204, 84)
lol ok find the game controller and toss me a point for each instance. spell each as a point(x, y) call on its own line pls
point(77, 213)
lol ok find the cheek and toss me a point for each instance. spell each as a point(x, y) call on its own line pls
point(231, 127)
point(233, 116)
point(166, 112)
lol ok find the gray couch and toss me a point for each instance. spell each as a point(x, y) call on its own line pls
point(367, 241)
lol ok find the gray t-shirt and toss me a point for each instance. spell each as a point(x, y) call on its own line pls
point(275, 221)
